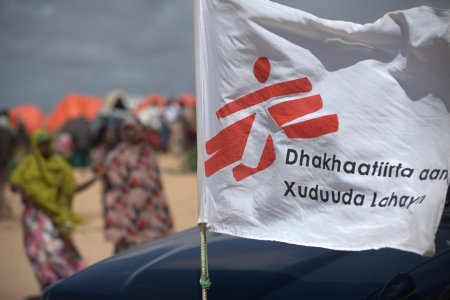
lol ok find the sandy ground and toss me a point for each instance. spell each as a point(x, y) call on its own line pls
point(17, 281)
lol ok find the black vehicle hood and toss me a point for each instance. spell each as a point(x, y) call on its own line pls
point(240, 269)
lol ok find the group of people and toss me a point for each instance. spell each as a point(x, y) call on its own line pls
point(135, 206)
point(169, 128)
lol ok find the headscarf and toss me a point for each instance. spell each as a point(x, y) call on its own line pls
point(49, 182)
point(116, 100)
point(131, 121)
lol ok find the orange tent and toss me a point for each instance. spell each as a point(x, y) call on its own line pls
point(31, 116)
point(74, 106)
point(186, 99)
point(150, 100)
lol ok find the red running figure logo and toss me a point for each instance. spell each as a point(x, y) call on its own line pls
point(227, 147)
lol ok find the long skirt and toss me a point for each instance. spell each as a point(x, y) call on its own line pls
point(52, 256)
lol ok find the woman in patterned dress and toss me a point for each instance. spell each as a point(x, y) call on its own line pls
point(47, 185)
point(135, 207)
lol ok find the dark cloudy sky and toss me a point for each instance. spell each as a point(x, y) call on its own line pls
point(49, 48)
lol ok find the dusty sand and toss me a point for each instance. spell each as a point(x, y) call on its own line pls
point(17, 281)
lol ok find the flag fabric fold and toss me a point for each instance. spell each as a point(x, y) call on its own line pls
point(322, 133)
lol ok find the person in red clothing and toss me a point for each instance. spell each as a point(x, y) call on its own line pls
point(135, 207)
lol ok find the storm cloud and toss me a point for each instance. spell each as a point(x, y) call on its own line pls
point(49, 48)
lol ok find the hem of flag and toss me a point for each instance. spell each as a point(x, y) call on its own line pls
point(202, 220)
point(222, 230)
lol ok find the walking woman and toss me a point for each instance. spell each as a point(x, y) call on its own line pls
point(134, 202)
point(47, 185)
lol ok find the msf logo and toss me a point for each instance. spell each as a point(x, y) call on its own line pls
point(228, 146)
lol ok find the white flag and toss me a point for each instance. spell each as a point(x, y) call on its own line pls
point(322, 133)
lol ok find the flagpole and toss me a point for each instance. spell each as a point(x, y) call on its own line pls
point(205, 283)
point(199, 47)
